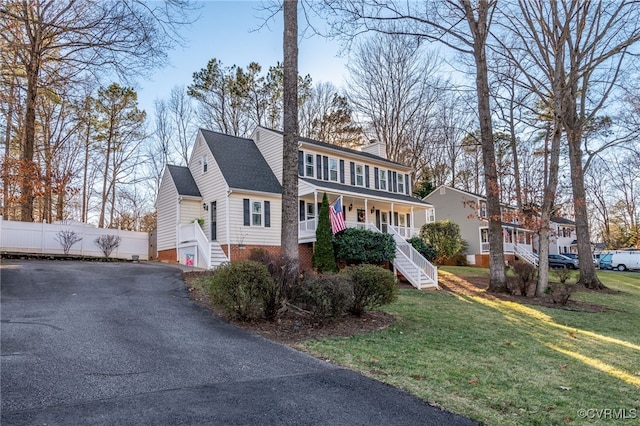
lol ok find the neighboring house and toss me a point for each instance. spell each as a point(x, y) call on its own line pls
point(563, 237)
point(233, 185)
point(469, 211)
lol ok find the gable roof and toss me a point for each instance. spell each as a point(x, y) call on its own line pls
point(183, 180)
point(343, 149)
point(241, 163)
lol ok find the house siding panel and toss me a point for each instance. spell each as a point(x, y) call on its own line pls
point(270, 145)
point(254, 235)
point(167, 212)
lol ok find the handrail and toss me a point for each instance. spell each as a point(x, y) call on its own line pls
point(526, 255)
point(412, 254)
point(193, 232)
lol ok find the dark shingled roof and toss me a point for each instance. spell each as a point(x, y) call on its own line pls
point(241, 163)
point(184, 181)
point(364, 191)
point(562, 220)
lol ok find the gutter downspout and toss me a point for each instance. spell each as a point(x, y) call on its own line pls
point(229, 191)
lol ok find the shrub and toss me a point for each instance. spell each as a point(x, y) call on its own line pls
point(525, 273)
point(562, 291)
point(67, 238)
point(243, 288)
point(326, 297)
point(373, 286)
point(563, 274)
point(423, 248)
point(444, 236)
point(107, 243)
point(363, 246)
point(324, 259)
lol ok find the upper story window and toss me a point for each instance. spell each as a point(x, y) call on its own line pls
point(309, 165)
point(483, 209)
point(205, 164)
point(359, 175)
point(311, 211)
point(333, 169)
point(383, 180)
point(401, 183)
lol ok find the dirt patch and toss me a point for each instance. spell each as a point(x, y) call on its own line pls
point(292, 327)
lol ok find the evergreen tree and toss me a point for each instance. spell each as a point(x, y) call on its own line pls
point(323, 256)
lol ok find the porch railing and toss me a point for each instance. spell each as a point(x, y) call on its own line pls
point(191, 234)
point(412, 254)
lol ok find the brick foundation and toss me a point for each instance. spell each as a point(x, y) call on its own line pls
point(482, 260)
point(305, 252)
point(169, 255)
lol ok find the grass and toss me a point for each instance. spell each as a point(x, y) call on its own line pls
point(503, 363)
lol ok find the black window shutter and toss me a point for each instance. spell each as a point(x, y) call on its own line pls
point(341, 171)
point(325, 167)
point(409, 220)
point(352, 167)
point(376, 178)
point(318, 167)
point(389, 181)
point(247, 219)
point(406, 185)
point(395, 218)
point(302, 211)
point(395, 182)
point(300, 163)
point(366, 177)
point(267, 214)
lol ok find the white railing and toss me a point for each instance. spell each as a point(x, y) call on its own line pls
point(407, 232)
point(526, 255)
point(192, 235)
point(40, 238)
point(412, 254)
point(363, 225)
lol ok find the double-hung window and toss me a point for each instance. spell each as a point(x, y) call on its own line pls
point(309, 164)
point(383, 180)
point(401, 183)
point(256, 213)
point(333, 169)
point(359, 175)
point(205, 164)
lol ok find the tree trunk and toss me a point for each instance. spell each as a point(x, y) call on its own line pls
point(289, 233)
point(497, 278)
point(33, 69)
point(588, 276)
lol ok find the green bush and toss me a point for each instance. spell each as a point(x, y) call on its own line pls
point(243, 289)
point(423, 248)
point(373, 286)
point(326, 297)
point(324, 259)
point(363, 246)
point(444, 236)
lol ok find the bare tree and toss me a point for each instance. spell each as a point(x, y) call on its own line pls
point(67, 238)
point(182, 113)
point(289, 233)
point(127, 37)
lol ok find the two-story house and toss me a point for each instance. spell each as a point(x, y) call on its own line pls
point(563, 237)
point(228, 199)
point(469, 211)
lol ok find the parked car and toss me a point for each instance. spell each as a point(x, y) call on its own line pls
point(562, 261)
point(625, 260)
point(571, 255)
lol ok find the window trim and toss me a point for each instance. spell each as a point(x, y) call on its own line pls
point(307, 164)
point(382, 179)
point(334, 162)
point(253, 203)
point(361, 175)
point(205, 163)
point(401, 183)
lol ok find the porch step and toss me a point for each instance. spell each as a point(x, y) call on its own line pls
point(217, 255)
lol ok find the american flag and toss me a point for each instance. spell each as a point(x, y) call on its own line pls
point(336, 218)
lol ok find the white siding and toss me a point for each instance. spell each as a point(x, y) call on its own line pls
point(270, 145)
point(167, 213)
point(254, 235)
point(190, 210)
point(212, 187)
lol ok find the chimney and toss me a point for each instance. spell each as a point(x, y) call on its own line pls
point(376, 148)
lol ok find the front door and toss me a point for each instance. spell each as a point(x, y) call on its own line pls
point(214, 221)
point(382, 220)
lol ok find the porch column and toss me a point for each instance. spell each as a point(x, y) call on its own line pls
point(411, 221)
point(315, 202)
point(366, 211)
point(391, 221)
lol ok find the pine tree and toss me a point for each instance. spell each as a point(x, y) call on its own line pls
point(323, 256)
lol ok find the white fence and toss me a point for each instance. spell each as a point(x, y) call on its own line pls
point(40, 238)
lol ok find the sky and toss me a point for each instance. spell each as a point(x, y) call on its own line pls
point(230, 32)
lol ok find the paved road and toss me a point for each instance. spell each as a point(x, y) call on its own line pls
point(87, 343)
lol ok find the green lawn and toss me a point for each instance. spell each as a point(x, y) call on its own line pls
point(504, 363)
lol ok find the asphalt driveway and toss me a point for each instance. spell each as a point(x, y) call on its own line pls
point(119, 343)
